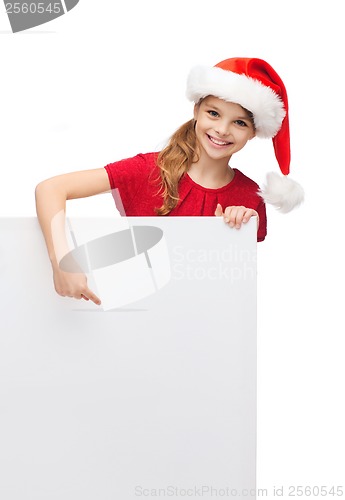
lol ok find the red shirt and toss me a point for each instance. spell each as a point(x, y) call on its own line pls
point(136, 181)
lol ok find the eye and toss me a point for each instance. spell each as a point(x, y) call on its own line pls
point(241, 123)
point(213, 113)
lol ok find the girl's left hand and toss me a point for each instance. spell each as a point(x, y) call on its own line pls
point(236, 216)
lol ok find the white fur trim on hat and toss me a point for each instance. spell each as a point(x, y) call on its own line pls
point(282, 192)
point(266, 106)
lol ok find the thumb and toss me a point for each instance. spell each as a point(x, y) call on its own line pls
point(219, 210)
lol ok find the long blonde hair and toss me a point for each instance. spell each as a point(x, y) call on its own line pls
point(173, 161)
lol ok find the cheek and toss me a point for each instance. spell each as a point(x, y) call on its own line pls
point(199, 134)
point(202, 124)
point(247, 134)
point(251, 133)
point(198, 128)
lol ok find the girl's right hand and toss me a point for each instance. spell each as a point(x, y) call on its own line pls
point(73, 285)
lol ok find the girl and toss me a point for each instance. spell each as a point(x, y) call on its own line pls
point(236, 100)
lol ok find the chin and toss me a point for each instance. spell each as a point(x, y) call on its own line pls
point(216, 154)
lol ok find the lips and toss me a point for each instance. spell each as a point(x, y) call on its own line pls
point(218, 142)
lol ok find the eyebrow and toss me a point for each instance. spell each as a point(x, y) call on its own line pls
point(210, 105)
point(244, 118)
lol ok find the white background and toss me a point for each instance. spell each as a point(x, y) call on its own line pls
point(107, 81)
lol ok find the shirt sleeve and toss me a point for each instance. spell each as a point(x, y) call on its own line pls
point(126, 178)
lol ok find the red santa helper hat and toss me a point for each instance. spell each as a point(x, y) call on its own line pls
point(255, 85)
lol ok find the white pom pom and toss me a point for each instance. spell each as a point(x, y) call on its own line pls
point(282, 192)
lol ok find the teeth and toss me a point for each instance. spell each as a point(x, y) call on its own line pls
point(219, 143)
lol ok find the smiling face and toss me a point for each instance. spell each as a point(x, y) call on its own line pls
point(222, 128)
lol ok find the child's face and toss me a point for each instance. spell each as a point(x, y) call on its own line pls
point(222, 128)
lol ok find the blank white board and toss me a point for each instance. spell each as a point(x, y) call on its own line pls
point(151, 399)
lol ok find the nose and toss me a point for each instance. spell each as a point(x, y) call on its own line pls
point(222, 128)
